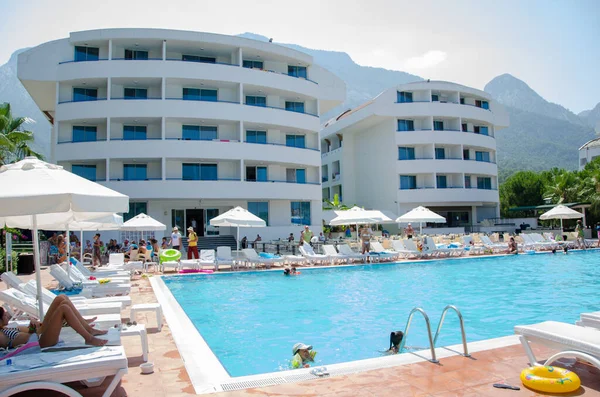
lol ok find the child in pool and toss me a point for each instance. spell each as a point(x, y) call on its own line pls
point(303, 354)
point(395, 340)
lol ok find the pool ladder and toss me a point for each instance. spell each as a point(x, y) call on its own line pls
point(433, 339)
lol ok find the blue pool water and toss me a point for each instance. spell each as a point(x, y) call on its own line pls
point(252, 320)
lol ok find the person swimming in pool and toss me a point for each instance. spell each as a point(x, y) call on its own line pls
point(303, 354)
point(395, 340)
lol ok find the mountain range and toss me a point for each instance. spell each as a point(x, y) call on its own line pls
point(541, 135)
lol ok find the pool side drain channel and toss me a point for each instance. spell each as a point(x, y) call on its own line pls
point(252, 384)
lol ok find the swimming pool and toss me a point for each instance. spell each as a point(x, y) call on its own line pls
point(251, 320)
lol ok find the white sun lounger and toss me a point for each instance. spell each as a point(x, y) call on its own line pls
point(495, 247)
point(256, 259)
point(473, 249)
point(25, 304)
point(100, 272)
point(78, 277)
point(224, 257)
point(334, 255)
point(589, 320)
point(400, 248)
point(94, 289)
point(571, 340)
point(382, 252)
point(207, 258)
point(354, 256)
point(298, 260)
point(188, 264)
point(307, 251)
point(48, 371)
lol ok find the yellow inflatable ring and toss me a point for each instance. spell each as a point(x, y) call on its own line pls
point(550, 379)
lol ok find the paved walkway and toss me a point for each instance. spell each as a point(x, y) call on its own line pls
point(455, 376)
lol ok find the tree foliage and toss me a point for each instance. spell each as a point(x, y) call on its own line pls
point(15, 142)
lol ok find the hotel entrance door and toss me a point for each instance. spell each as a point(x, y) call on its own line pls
point(195, 219)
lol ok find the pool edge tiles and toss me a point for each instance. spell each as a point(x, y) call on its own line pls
point(203, 367)
point(208, 374)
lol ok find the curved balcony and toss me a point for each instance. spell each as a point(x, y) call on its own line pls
point(438, 109)
point(447, 137)
point(449, 195)
point(446, 166)
point(179, 108)
point(177, 68)
point(222, 189)
point(171, 148)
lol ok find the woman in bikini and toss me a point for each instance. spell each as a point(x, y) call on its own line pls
point(61, 310)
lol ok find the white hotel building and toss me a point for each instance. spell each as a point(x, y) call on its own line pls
point(188, 124)
point(425, 143)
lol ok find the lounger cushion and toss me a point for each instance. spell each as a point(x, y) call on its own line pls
point(573, 337)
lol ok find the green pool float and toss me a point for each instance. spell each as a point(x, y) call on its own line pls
point(170, 255)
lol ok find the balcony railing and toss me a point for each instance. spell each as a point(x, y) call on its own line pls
point(136, 99)
point(280, 108)
point(203, 180)
point(200, 100)
point(72, 141)
point(191, 61)
point(134, 180)
point(449, 187)
point(283, 181)
point(281, 144)
point(82, 100)
point(449, 102)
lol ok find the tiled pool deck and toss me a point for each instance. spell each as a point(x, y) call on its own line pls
point(454, 376)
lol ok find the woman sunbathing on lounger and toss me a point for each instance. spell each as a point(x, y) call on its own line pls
point(61, 310)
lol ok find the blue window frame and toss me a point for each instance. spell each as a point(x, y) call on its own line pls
point(295, 141)
point(256, 100)
point(135, 93)
point(85, 94)
point(135, 172)
point(297, 71)
point(208, 172)
point(440, 153)
point(467, 181)
point(482, 156)
point(190, 172)
point(136, 55)
point(408, 182)
point(86, 53)
point(134, 132)
point(405, 97)
point(406, 125)
point(438, 126)
point(256, 174)
point(406, 153)
point(441, 181)
point(84, 171)
point(253, 64)
point(84, 133)
point(483, 130)
point(466, 154)
point(196, 58)
point(484, 183)
point(260, 209)
point(300, 212)
point(135, 209)
point(464, 127)
point(485, 105)
point(296, 175)
point(435, 98)
point(197, 94)
point(253, 136)
point(198, 133)
point(294, 106)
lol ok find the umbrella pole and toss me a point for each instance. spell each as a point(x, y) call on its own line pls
point(561, 226)
point(68, 241)
point(421, 228)
point(237, 240)
point(38, 275)
point(81, 246)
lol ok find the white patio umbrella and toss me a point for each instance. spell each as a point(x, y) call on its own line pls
point(237, 217)
point(421, 215)
point(32, 187)
point(561, 212)
point(143, 223)
point(357, 215)
point(107, 222)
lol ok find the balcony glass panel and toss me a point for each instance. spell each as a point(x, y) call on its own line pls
point(196, 94)
point(208, 172)
point(256, 136)
point(85, 171)
point(441, 181)
point(260, 209)
point(256, 100)
point(482, 156)
point(298, 141)
point(135, 93)
point(86, 53)
point(84, 133)
point(135, 172)
point(294, 106)
point(408, 182)
point(438, 125)
point(405, 97)
point(440, 153)
point(467, 181)
point(252, 64)
point(297, 71)
point(406, 153)
point(85, 94)
point(300, 212)
point(196, 58)
point(198, 133)
point(484, 183)
point(406, 125)
point(134, 132)
point(136, 55)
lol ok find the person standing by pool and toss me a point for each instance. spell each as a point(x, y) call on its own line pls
point(307, 234)
point(192, 244)
point(409, 231)
point(303, 354)
point(175, 238)
point(365, 235)
point(97, 256)
point(580, 234)
point(512, 246)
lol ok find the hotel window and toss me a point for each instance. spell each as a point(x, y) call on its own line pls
point(295, 175)
point(85, 171)
point(256, 136)
point(406, 153)
point(135, 54)
point(435, 98)
point(199, 172)
point(208, 172)
point(483, 130)
point(134, 132)
point(406, 125)
point(466, 154)
point(256, 174)
point(256, 100)
point(482, 156)
point(464, 127)
point(440, 153)
point(135, 209)
point(297, 71)
point(294, 106)
point(196, 58)
point(198, 133)
point(135, 172)
point(260, 209)
point(298, 141)
point(86, 53)
point(484, 183)
point(467, 181)
point(84, 133)
point(300, 212)
point(404, 97)
point(253, 64)
point(408, 182)
point(211, 213)
point(462, 101)
point(438, 126)
point(441, 181)
point(196, 94)
point(482, 104)
point(85, 94)
point(135, 93)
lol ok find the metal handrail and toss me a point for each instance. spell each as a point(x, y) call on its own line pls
point(431, 343)
point(462, 328)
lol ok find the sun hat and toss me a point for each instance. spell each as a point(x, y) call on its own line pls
point(190, 229)
point(300, 346)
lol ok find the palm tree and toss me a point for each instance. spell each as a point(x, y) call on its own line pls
point(336, 204)
point(14, 140)
point(565, 187)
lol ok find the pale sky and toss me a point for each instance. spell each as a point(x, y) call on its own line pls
point(552, 45)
